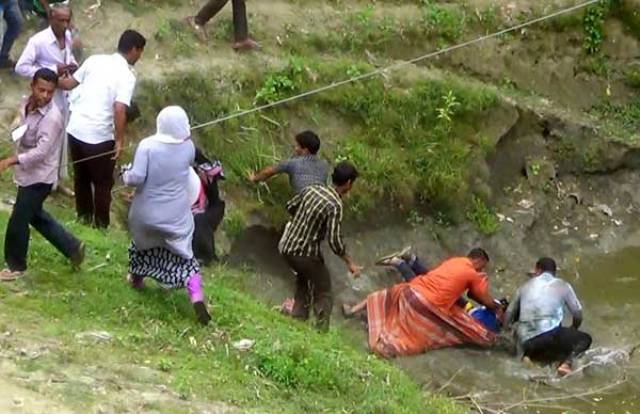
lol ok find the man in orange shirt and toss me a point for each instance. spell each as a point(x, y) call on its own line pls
point(423, 314)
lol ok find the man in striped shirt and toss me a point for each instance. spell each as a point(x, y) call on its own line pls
point(316, 211)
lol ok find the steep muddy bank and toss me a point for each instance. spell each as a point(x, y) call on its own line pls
point(549, 202)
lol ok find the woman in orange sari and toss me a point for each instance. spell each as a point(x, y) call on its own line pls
point(423, 314)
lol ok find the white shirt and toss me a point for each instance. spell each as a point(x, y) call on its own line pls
point(104, 80)
point(43, 51)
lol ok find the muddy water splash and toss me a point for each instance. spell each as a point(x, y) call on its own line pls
point(607, 379)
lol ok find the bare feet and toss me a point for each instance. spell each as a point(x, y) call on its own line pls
point(7, 275)
point(66, 191)
point(245, 45)
point(564, 369)
point(198, 30)
point(347, 311)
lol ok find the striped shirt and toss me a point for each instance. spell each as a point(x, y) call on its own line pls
point(315, 211)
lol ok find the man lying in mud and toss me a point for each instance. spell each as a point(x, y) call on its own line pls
point(538, 308)
point(424, 313)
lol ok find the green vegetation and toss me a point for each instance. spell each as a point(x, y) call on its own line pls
point(482, 217)
point(290, 368)
point(593, 21)
point(412, 143)
point(621, 121)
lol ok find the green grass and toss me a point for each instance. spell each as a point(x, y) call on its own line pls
point(291, 368)
point(412, 142)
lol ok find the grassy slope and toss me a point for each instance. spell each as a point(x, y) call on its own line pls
point(291, 368)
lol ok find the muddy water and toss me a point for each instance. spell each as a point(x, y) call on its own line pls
point(608, 286)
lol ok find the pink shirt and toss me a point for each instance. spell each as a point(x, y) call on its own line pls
point(39, 148)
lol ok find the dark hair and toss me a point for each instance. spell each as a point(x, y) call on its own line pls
point(46, 75)
point(478, 253)
point(343, 173)
point(546, 264)
point(130, 39)
point(309, 141)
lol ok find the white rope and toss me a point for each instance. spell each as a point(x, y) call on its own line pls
point(375, 72)
point(397, 65)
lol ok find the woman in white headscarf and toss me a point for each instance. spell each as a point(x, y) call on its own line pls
point(160, 219)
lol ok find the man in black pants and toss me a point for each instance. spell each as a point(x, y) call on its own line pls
point(538, 309)
point(316, 211)
point(39, 141)
point(97, 124)
point(240, 27)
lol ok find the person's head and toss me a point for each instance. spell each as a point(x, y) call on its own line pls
point(306, 142)
point(173, 121)
point(131, 45)
point(479, 258)
point(43, 86)
point(60, 18)
point(545, 265)
point(344, 174)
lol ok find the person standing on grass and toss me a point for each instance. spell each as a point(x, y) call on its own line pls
point(304, 168)
point(538, 310)
point(35, 172)
point(10, 11)
point(240, 27)
point(97, 124)
point(317, 210)
point(160, 219)
point(51, 48)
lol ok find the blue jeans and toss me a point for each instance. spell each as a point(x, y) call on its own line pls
point(412, 268)
point(12, 15)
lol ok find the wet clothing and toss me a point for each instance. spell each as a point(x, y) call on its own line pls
point(316, 211)
point(240, 26)
point(538, 306)
point(313, 285)
point(412, 268)
point(558, 344)
point(410, 318)
point(304, 171)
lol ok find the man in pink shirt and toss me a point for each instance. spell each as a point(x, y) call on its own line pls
point(35, 171)
point(52, 49)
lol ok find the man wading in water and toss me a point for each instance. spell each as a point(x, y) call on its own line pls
point(316, 211)
point(538, 309)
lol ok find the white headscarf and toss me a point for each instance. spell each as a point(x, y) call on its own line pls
point(172, 126)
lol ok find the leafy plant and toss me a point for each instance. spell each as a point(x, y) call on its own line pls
point(447, 110)
point(593, 22)
point(482, 217)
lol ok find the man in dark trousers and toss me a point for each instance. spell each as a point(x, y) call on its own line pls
point(97, 125)
point(38, 144)
point(538, 309)
point(317, 211)
point(240, 26)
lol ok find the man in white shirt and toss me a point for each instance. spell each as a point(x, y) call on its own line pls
point(97, 124)
point(51, 49)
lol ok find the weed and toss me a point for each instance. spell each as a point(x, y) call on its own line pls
point(447, 110)
point(482, 217)
point(593, 21)
point(234, 223)
point(632, 78)
point(282, 83)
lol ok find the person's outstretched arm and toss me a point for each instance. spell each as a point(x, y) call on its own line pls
point(262, 175)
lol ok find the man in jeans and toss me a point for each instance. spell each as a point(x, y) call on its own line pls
point(538, 309)
point(240, 27)
point(35, 172)
point(316, 211)
point(10, 11)
point(97, 124)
